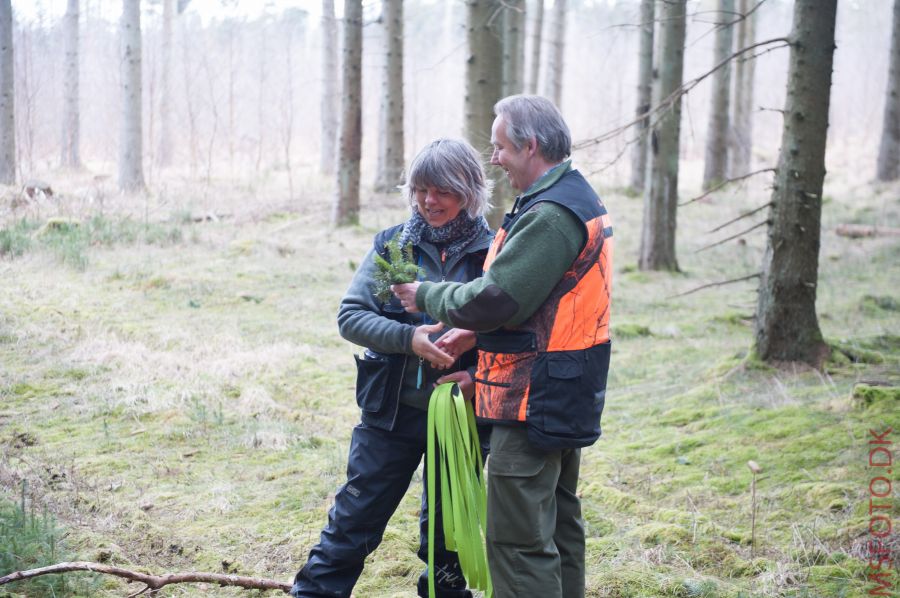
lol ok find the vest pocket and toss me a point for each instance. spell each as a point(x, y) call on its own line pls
point(372, 373)
point(567, 398)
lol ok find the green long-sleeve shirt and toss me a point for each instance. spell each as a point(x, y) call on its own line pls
point(539, 249)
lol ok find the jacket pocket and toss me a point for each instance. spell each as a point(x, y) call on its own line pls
point(372, 373)
point(567, 398)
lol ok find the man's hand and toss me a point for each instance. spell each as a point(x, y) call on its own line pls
point(406, 293)
point(456, 342)
point(463, 380)
point(424, 348)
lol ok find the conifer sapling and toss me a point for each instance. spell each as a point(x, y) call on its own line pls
point(399, 268)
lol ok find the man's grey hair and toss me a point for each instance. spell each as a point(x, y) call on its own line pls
point(528, 116)
point(451, 165)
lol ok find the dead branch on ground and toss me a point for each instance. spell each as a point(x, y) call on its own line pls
point(152, 582)
point(858, 231)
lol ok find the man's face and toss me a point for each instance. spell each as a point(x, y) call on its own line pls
point(514, 162)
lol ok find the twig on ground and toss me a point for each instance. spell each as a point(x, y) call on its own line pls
point(152, 582)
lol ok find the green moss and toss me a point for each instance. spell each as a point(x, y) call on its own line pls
point(864, 395)
point(874, 303)
point(733, 318)
point(656, 533)
point(624, 331)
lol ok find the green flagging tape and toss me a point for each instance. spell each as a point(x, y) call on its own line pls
point(453, 440)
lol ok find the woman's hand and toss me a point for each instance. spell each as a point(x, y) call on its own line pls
point(406, 293)
point(424, 348)
point(463, 380)
point(456, 342)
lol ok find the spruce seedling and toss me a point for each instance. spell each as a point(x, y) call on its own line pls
point(400, 267)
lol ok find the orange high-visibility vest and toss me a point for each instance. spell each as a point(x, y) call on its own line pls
point(550, 371)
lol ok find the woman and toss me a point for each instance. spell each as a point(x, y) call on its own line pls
point(448, 194)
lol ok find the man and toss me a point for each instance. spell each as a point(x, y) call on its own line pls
point(541, 311)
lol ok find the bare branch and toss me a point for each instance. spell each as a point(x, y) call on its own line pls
point(740, 234)
point(716, 284)
point(685, 88)
point(726, 182)
point(153, 582)
point(741, 217)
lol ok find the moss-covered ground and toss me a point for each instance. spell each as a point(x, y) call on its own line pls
point(173, 389)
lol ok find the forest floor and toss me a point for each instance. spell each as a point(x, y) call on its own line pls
point(175, 395)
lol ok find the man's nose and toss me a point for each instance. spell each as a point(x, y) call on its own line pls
point(495, 158)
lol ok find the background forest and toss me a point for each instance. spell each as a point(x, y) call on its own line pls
point(185, 197)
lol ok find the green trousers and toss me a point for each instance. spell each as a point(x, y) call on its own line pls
point(535, 534)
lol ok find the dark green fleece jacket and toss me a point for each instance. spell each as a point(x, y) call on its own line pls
point(539, 249)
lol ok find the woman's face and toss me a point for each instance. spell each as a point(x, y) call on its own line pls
point(437, 206)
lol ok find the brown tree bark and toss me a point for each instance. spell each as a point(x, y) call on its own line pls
point(389, 172)
point(644, 96)
point(7, 97)
point(889, 151)
point(717, 132)
point(346, 205)
point(553, 77)
point(483, 86)
point(537, 26)
point(69, 148)
point(787, 328)
point(329, 102)
point(661, 195)
point(164, 149)
point(513, 47)
point(741, 146)
point(131, 170)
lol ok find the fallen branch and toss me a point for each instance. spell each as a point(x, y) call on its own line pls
point(858, 231)
point(152, 582)
point(716, 284)
point(740, 234)
point(726, 182)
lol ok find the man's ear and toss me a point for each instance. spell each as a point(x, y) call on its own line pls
point(531, 145)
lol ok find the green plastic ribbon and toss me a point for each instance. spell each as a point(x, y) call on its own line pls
point(453, 441)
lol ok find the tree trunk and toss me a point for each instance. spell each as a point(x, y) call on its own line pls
point(716, 166)
point(328, 157)
point(7, 97)
point(536, 30)
point(661, 195)
point(554, 75)
point(69, 148)
point(889, 152)
point(484, 87)
point(164, 150)
point(644, 93)
point(131, 175)
point(390, 154)
point(740, 152)
point(786, 325)
point(346, 207)
point(513, 47)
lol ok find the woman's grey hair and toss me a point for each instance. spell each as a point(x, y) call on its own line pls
point(452, 165)
point(528, 116)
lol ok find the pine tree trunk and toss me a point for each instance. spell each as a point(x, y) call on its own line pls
point(786, 325)
point(717, 133)
point(131, 174)
point(346, 207)
point(484, 87)
point(889, 152)
point(661, 195)
point(390, 155)
point(513, 47)
point(554, 75)
point(740, 151)
point(164, 151)
point(644, 95)
point(536, 29)
point(329, 102)
point(69, 148)
point(7, 97)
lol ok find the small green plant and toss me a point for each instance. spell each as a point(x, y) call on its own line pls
point(16, 239)
point(400, 267)
point(29, 540)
